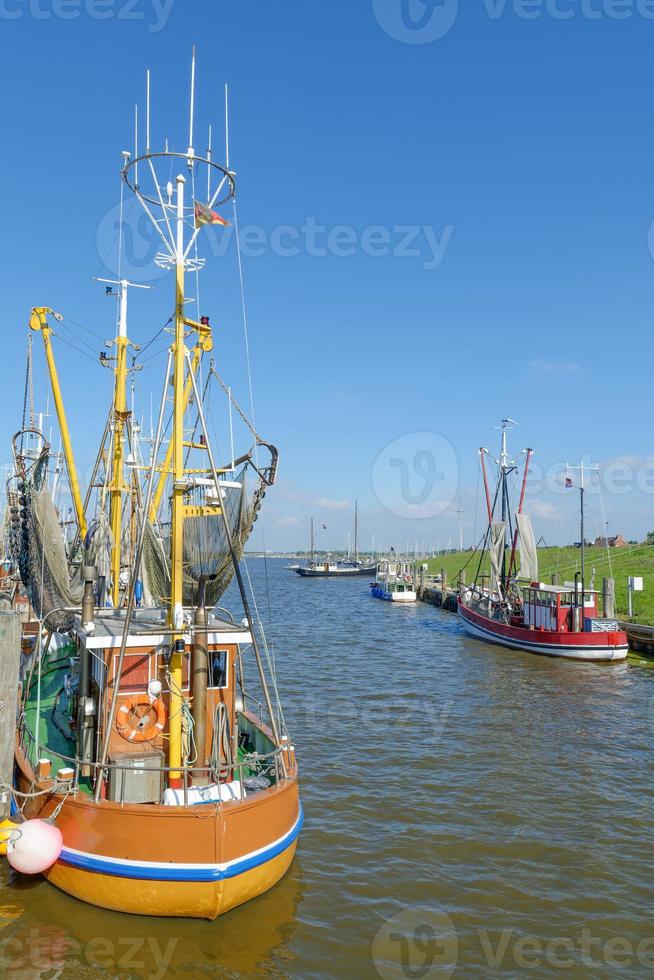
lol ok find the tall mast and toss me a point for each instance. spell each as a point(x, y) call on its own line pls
point(356, 532)
point(506, 466)
point(176, 223)
point(177, 504)
point(121, 415)
point(311, 545)
point(582, 490)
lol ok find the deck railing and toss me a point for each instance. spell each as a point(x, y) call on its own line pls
point(266, 764)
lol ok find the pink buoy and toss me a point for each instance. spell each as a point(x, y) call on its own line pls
point(36, 849)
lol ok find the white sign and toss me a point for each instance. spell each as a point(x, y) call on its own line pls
point(635, 584)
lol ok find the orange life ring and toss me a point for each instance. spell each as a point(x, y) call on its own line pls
point(146, 729)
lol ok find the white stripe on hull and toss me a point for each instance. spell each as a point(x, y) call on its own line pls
point(598, 653)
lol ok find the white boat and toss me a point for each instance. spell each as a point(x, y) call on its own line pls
point(394, 582)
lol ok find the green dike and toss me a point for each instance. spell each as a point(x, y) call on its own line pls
point(637, 560)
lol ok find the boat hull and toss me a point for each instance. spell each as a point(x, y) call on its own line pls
point(198, 862)
point(405, 597)
point(334, 573)
point(597, 647)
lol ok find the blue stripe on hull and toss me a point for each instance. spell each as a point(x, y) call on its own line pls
point(157, 872)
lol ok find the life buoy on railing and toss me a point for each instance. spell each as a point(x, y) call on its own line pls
point(146, 727)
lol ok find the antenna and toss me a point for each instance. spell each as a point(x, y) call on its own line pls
point(191, 153)
point(226, 126)
point(136, 142)
point(209, 168)
point(147, 111)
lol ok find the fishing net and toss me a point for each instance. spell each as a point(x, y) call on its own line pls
point(205, 547)
point(39, 549)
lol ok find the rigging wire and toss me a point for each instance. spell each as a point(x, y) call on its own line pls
point(253, 428)
point(78, 349)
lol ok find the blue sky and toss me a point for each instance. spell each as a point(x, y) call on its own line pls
point(481, 205)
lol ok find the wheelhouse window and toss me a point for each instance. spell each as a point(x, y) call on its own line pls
point(218, 668)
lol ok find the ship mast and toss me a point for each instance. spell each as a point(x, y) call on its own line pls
point(177, 226)
point(121, 415)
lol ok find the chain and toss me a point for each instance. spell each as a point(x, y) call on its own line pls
point(236, 404)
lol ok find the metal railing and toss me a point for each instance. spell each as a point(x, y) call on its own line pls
point(271, 765)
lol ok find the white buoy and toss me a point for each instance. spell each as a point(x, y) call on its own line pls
point(36, 849)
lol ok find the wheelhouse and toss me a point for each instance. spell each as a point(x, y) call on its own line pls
point(554, 607)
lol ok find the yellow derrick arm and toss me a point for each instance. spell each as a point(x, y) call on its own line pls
point(203, 346)
point(39, 323)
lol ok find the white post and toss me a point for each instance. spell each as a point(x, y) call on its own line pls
point(181, 180)
point(122, 320)
point(226, 128)
point(147, 111)
point(209, 168)
point(231, 426)
point(136, 143)
point(190, 127)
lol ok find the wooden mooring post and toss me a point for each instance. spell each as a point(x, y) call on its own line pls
point(608, 598)
point(10, 636)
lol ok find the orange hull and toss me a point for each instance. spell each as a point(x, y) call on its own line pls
point(196, 861)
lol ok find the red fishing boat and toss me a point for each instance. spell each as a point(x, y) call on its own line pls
point(514, 609)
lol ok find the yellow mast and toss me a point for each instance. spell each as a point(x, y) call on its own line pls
point(177, 508)
point(39, 322)
point(120, 416)
point(203, 345)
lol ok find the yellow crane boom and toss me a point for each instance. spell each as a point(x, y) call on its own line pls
point(39, 323)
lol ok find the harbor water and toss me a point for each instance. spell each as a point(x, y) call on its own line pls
point(470, 812)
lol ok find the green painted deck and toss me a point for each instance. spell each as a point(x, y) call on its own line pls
point(53, 743)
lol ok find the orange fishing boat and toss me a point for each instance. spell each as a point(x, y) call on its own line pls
point(150, 732)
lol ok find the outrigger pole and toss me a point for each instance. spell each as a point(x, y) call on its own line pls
point(482, 457)
point(529, 454)
point(39, 322)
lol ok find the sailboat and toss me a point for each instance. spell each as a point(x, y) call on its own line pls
point(515, 609)
point(335, 569)
point(151, 741)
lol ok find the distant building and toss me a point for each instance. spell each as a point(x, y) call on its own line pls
point(617, 542)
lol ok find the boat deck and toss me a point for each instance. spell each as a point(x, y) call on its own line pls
point(53, 743)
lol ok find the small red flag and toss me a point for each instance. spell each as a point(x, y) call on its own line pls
point(205, 216)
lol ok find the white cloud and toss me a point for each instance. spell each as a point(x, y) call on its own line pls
point(540, 508)
point(287, 522)
point(333, 504)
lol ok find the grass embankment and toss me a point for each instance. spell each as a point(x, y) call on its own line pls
point(637, 560)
